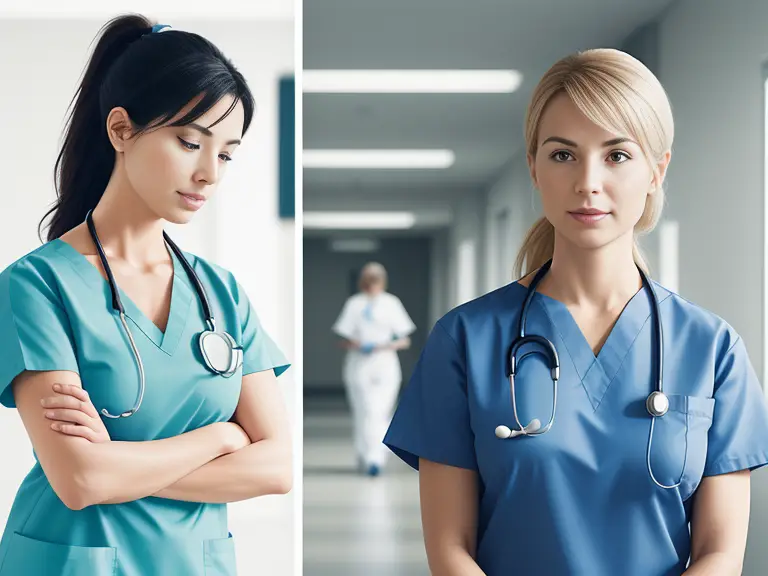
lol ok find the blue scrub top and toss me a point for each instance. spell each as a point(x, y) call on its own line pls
point(56, 314)
point(579, 499)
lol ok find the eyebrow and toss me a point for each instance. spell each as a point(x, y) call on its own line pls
point(207, 132)
point(567, 142)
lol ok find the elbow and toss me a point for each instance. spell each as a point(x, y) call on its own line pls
point(74, 492)
point(283, 478)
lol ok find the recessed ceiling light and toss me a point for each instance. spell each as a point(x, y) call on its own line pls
point(359, 220)
point(378, 159)
point(411, 81)
point(355, 245)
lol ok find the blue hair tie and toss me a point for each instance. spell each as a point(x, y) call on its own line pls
point(159, 27)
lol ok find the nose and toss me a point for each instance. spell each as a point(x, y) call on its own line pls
point(590, 176)
point(207, 169)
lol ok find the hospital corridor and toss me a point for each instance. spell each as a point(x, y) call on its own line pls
point(428, 178)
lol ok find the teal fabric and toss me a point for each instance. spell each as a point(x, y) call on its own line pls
point(56, 314)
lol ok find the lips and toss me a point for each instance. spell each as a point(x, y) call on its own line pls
point(588, 211)
point(193, 196)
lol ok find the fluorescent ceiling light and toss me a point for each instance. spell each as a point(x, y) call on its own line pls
point(378, 159)
point(359, 220)
point(355, 245)
point(411, 81)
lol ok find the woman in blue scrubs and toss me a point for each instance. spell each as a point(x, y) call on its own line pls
point(608, 488)
point(141, 434)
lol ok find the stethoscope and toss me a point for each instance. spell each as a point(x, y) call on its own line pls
point(657, 403)
point(221, 354)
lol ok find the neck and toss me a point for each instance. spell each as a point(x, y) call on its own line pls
point(601, 279)
point(126, 227)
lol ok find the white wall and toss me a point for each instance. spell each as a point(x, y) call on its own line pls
point(239, 229)
point(438, 278)
point(711, 55)
point(512, 192)
point(466, 248)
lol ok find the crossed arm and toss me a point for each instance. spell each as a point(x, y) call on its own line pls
point(449, 501)
point(221, 462)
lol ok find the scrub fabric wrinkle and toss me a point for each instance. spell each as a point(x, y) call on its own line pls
point(56, 314)
point(581, 493)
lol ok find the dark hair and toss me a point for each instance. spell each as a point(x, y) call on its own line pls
point(153, 76)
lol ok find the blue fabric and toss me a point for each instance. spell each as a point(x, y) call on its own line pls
point(582, 491)
point(55, 314)
point(366, 348)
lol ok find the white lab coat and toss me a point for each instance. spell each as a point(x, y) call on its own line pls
point(372, 380)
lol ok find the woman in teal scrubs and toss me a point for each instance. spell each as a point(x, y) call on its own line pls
point(143, 491)
point(612, 486)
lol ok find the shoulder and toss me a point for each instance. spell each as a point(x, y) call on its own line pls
point(391, 299)
point(504, 301)
point(354, 301)
point(697, 321)
point(36, 267)
point(212, 271)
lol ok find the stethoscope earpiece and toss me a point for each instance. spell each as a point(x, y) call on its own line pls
point(505, 432)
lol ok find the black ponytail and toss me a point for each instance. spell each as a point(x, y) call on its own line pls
point(152, 76)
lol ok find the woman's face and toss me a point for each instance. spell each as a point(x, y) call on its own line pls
point(166, 163)
point(579, 166)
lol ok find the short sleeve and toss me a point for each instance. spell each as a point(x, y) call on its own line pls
point(432, 418)
point(35, 332)
point(402, 325)
point(346, 323)
point(738, 437)
point(259, 350)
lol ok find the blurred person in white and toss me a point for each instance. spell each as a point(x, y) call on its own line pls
point(603, 473)
point(374, 325)
point(111, 343)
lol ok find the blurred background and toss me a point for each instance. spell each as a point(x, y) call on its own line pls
point(447, 224)
point(43, 50)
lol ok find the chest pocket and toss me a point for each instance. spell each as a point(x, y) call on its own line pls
point(679, 443)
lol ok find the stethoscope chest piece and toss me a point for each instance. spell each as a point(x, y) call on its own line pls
point(220, 352)
point(657, 404)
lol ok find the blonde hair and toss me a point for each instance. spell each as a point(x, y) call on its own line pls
point(372, 273)
point(619, 94)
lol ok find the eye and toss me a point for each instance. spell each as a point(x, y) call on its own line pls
point(188, 145)
point(225, 157)
point(617, 155)
point(557, 155)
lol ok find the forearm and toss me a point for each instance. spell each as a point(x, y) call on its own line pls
point(454, 562)
point(116, 472)
point(399, 344)
point(262, 468)
point(715, 564)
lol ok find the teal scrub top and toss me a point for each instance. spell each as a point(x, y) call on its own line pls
point(56, 314)
point(579, 499)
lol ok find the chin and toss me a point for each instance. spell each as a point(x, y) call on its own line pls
point(590, 239)
point(178, 216)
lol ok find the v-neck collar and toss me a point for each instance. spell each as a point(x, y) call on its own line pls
point(596, 372)
point(182, 295)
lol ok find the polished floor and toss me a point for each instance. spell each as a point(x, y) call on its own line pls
point(355, 525)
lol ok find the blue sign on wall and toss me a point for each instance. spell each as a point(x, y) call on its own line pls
point(287, 148)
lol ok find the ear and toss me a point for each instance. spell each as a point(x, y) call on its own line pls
point(119, 128)
point(661, 166)
point(532, 169)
